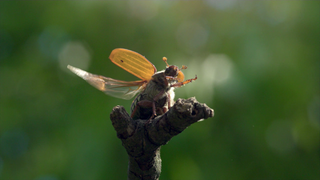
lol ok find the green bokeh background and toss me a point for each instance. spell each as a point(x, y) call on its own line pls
point(257, 65)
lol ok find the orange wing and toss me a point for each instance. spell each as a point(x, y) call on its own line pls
point(112, 87)
point(133, 62)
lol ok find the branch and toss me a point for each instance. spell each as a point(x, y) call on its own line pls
point(142, 139)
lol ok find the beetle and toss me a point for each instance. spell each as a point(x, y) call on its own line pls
point(155, 88)
point(158, 96)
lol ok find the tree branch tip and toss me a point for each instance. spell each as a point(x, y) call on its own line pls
point(117, 108)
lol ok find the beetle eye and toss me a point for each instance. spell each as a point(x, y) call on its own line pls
point(180, 76)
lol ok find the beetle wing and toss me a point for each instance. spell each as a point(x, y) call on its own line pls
point(133, 62)
point(112, 87)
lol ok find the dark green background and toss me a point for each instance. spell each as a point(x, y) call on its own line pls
point(257, 65)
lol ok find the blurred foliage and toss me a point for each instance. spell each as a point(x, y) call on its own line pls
point(257, 65)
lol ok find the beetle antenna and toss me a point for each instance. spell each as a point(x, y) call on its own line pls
point(184, 67)
point(165, 60)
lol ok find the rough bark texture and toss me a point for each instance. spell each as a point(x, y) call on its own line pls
point(143, 139)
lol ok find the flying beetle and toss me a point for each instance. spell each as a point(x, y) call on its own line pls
point(155, 88)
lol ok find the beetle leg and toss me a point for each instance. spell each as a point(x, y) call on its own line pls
point(163, 110)
point(147, 104)
point(142, 103)
point(134, 111)
point(171, 78)
point(154, 113)
point(155, 99)
point(169, 100)
point(178, 84)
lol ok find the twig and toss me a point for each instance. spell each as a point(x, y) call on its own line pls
point(143, 141)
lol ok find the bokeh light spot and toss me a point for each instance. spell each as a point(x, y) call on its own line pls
point(214, 70)
point(217, 68)
point(74, 53)
point(51, 40)
point(191, 36)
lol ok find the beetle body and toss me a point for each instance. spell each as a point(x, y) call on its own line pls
point(158, 93)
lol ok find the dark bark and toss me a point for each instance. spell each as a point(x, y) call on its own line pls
point(143, 139)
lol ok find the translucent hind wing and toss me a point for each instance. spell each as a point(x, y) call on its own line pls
point(112, 87)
